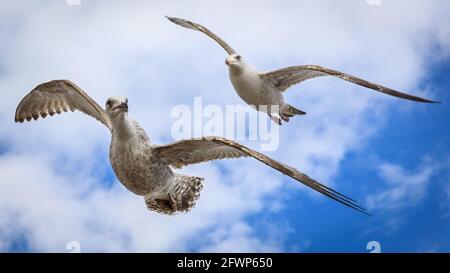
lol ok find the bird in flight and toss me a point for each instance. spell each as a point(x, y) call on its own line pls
point(147, 169)
point(264, 90)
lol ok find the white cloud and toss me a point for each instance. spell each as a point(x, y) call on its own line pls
point(53, 209)
point(404, 189)
point(239, 237)
point(53, 178)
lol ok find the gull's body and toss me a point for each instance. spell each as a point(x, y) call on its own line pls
point(264, 90)
point(130, 154)
point(132, 157)
point(252, 89)
point(144, 168)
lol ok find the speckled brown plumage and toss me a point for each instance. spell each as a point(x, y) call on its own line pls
point(146, 169)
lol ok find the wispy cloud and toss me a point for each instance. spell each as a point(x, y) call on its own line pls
point(404, 188)
point(240, 237)
point(56, 183)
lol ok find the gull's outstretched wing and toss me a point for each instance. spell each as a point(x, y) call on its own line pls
point(56, 97)
point(286, 77)
point(198, 150)
point(195, 26)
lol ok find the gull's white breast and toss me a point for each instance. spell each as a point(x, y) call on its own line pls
point(253, 90)
point(135, 165)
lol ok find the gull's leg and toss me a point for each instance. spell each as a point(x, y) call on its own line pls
point(275, 118)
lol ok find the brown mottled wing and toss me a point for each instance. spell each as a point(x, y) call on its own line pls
point(195, 26)
point(286, 77)
point(56, 97)
point(198, 150)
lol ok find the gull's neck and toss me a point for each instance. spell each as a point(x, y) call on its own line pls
point(123, 127)
point(244, 68)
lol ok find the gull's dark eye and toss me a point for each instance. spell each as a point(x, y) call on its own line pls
point(108, 104)
point(238, 57)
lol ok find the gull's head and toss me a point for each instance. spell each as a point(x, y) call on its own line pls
point(116, 106)
point(234, 61)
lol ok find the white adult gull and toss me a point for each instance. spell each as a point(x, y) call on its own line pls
point(263, 90)
point(144, 168)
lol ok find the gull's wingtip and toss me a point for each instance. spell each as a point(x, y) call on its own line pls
point(353, 205)
point(175, 20)
point(181, 22)
point(171, 19)
point(367, 213)
point(427, 100)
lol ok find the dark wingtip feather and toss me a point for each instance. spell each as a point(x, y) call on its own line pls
point(427, 100)
point(182, 22)
point(174, 20)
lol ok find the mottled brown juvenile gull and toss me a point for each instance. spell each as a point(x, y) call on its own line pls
point(145, 168)
point(263, 90)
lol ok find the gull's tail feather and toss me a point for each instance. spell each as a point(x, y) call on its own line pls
point(287, 112)
point(181, 197)
point(290, 111)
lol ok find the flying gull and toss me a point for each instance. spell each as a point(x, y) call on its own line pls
point(144, 168)
point(263, 90)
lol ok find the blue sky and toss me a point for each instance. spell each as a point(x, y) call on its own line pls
point(56, 184)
